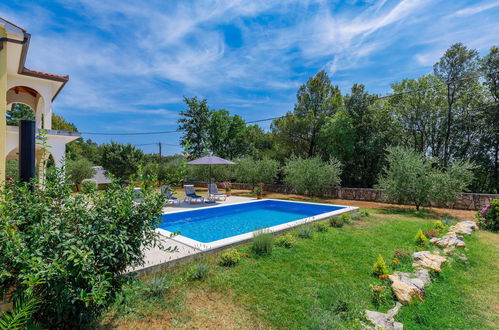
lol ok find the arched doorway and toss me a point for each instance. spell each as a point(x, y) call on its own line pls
point(24, 102)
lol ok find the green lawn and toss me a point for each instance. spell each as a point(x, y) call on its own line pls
point(324, 283)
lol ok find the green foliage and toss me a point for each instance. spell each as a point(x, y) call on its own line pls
point(226, 134)
point(156, 287)
point(194, 122)
point(338, 137)
point(252, 171)
point(60, 124)
point(321, 227)
point(79, 170)
point(74, 248)
point(12, 169)
point(403, 255)
point(346, 217)
point(171, 172)
point(229, 258)
point(287, 241)
point(411, 178)
point(420, 239)
point(84, 149)
point(438, 225)
point(19, 112)
point(121, 160)
point(88, 186)
point(198, 272)
point(377, 294)
point(259, 189)
point(311, 176)
point(488, 217)
point(379, 267)
point(219, 173)
point(306, 231)
point(337, 222)
point(263, 243)
point(298, 132)
point(22, 313)
point(431, 233)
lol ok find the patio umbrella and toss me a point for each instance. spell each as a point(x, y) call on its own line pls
point(210, 160)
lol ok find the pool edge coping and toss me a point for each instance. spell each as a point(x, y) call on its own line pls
point(233, 240)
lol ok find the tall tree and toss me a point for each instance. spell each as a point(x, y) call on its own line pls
point(299, 131)
point(122, 160)
point(457, 68)
point(61, 124)
point(226, 134)
point(194, 123)
point(19, 112)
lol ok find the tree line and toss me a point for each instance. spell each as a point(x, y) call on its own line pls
point(449, 115)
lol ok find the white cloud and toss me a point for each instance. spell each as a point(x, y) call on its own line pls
point(474, 10)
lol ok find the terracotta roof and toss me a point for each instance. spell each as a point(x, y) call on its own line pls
point(20, 28)
point(46, 74)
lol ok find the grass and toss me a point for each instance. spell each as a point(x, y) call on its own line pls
point(325, 282)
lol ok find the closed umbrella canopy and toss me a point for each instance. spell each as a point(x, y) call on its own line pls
point(210, 160)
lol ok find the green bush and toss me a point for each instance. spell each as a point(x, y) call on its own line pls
point(72, 250)
point(79, 170)
point(305, 232)
point(263, 243)
point(420, 238)
point(88, 186)
point(379, 267)
point(12, 169)
point(156, 287)
point(321, 227)
point(198, 271)
point(287, 241)
point(438, 225)
point(488, 217)
point(170, 173)
point(252, 171)
point(336, 222)
point(347, 218)
point(311, 176)
point(229, 258)
point(411, 178)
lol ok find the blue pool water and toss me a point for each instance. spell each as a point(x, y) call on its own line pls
point(211, 224)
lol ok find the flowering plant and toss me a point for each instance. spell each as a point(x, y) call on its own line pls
point(227, 186)
point(377, 294)
point(259, 188)
point(488, 217)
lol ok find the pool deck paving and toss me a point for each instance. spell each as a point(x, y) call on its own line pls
point(156, 258)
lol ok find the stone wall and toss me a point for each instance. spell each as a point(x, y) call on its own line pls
point(467, 201)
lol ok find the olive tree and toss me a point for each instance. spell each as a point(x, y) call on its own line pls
point(312, 176)
point(411, 178)
point(79, 170)
point(252, 171)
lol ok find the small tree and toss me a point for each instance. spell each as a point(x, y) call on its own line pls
point(79, 170)
point(410, 178)
point(121, 160)
point(311, 176)
point(253, 171)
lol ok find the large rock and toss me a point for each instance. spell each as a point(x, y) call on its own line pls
point(405, 290)
point(385, 321)
point(464, 227)
point(427, 260)
point(420, 278)
point(449, 240)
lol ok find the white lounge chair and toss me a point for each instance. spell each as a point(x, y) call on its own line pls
point(190, 194)
point(137, 193)
point(213, 193)
point(167, 193)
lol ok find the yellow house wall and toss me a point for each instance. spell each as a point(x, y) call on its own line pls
point(3, 103)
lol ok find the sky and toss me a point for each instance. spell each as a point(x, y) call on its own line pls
point(131, 62)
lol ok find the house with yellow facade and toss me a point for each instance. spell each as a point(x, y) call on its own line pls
point(35, 89)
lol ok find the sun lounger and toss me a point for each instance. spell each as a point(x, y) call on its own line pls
point(167, 193)
point(190, 194)
point(213, 193)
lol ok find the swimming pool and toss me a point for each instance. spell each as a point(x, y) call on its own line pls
point(222, 225)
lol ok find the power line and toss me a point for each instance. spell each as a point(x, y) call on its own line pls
point(274, 118)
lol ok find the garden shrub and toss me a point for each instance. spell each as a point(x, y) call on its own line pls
point(156, 287)
point(252, 171)
point(403, 255)
point(12, 169)
point(198, 271)
point(488, 217)
point(79, 170)
point(229, 258)
point(438, 225)
point(287, 241)
point(379, 267)
point(346, 217)
point(88, 186)
point(321, 226)
point(70, 250)
point(377, 295)
point(336, 222)
point(311, 176)
point(411, 178)
point(420, 239)
point(263, 242)
point(305, 232)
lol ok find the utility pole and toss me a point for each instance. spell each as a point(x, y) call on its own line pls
point(160, 157)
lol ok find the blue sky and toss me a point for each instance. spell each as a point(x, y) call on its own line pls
point(130, 62)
